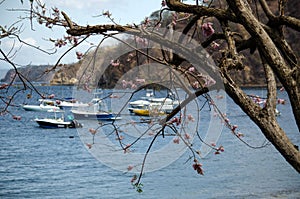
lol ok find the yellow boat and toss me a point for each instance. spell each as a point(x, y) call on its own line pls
point(146, 112)
point(141, 112)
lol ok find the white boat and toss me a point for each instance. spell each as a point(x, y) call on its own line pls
point(70, 103)
point(97, 115)
point(151, 103)
point(45, 105)
point(57, 123)
point(96, 110)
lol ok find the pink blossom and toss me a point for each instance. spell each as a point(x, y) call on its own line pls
point(209, 81)
point(198, 167)
point(86, 87)
point(239, 134)
point(187, 136)
point(190, 118)
point(207, 29)
point(134, 177)
point(16, 117)
point(221, 148)
point(130, 56)
point(126, 149)
point(130, 167)
point(120, 137)
point(133, 86)
point(234, 127)
point(89, 145)
point(176, 140)
point(146, 21)
point(79, 55)
point(196, 85)
point(215, 45)
point(141, 41)
point(192, 69)
point(115, 63)
point(51, 96)
point(92, 131)
point(281, 101)
point(124, 83)
point(176, 120)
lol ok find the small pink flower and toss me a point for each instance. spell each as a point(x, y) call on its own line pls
point(16, 117)
point(92, 131)
point(120, 137)
point(190, 118)
point(221, 148)
point(86, 87)
point(176, 140)
point(79, 55)
point(115, 63)
point(215, 45)
point(126, 149)
point(196, 85)
point(234, 127)
point(134, 177)
point(207, 29)
point(192, 69)
point(198, 167)
point(124, 83)
point(240, 134)
point(130, 167)
point(187, 136)
point(176, 120)
point(133, 86)
point(281, 101)
point(51, 96)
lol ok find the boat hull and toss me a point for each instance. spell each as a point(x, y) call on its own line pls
point(39, 108)
point(85, 115)
point(54, 123)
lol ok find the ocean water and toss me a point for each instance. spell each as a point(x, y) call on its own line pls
point(54, 163)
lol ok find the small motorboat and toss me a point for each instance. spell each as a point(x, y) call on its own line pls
point(163, 105)
point(147, 112)
point(95, 111)
point(96, 115)
point(70, 103)
point(44, 106)
point(58, 122)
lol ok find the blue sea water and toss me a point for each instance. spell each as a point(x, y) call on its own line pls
point(43, 163)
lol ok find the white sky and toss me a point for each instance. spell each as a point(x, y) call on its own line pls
point(81, 11)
